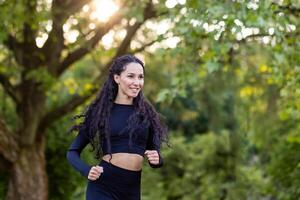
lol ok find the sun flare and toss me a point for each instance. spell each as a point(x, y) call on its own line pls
point(104, 9)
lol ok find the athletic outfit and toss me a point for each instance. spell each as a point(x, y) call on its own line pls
point(115, 183)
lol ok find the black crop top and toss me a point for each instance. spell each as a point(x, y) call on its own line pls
point(141, 141)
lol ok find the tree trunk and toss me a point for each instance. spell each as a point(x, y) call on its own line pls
point(28, 180)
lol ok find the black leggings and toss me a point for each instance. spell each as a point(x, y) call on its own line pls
point(115, 183)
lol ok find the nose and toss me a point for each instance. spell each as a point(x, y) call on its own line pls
point(136, 81)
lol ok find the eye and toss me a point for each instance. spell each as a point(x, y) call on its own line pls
point(130, 76)
point(141, 76)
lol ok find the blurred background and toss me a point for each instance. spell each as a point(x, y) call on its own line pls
point(225, 74)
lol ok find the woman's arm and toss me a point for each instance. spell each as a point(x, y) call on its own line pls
point(73, 154)
point(154, 144)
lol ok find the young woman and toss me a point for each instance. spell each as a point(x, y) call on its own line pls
point(123, 128)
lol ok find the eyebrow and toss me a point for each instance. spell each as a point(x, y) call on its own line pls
point(134, 73)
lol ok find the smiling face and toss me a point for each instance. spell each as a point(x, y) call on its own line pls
point(130, 82)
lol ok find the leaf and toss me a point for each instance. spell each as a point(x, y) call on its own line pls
point(212, 66)
point(162, 95)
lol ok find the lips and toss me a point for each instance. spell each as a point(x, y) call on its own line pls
point(135, 90)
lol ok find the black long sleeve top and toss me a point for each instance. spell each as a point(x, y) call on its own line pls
point(119, 139)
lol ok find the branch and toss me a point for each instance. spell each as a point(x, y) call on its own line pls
point(131, 30)
point(61, 11)
point(142, 48)
point(291, 9)
point(10, 90)
point(24, 50)
point(8, 145)
point(70, 105)
point(62, 110)
point(31, 58)
point(89, 44)
point(74, 6)
point(259, 35)
point(14, 46)
point(149, 12)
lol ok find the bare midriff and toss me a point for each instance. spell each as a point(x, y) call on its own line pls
point(128, 161)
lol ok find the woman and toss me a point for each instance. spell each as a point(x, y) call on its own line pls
point(123, 128)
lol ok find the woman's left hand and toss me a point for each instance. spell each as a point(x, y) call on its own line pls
point(152, 156)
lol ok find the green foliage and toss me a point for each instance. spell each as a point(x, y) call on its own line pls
point(63, 179)
point(42, 77)
point(12, 22)
point(285, 171)
point(7, 108)
point(230, 87)
point(242, 84)
point(203, 168)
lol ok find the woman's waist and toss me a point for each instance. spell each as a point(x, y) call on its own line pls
point(129, 161)
point(124, 148)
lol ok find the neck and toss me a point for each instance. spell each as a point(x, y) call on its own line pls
point(123, 100)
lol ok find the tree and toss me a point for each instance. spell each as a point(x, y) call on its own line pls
point(241, 60)
point(37, 68)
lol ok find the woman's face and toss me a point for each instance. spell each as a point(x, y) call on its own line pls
point(131, 80)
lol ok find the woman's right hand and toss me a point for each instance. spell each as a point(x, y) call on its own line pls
point(95, 172)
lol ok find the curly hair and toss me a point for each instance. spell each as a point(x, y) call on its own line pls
point(96, 117)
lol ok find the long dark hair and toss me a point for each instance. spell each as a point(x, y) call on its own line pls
point(96, 117)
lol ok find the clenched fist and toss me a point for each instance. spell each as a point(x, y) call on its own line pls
point(152, 156)
point(95, 172)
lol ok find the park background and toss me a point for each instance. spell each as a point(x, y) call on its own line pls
point(225, 74)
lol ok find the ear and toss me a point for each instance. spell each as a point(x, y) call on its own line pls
point(117, 78)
